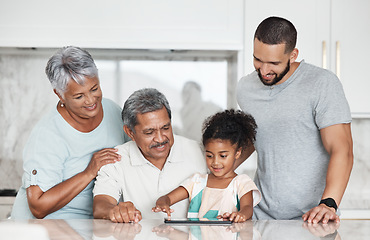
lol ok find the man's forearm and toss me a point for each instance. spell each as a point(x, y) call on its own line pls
point(102, 206)
point(337, 140)
point(337, 177)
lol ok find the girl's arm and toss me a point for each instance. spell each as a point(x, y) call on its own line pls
point(163, 203)
point(246, 209)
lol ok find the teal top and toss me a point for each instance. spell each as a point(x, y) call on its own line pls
point(56, 152)
point(207, 202)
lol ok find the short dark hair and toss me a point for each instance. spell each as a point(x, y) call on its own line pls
point(143, 101)
point(233, 125)
point(277, 30)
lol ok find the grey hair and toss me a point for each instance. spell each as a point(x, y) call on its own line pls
point(143, 101)
point(70, 63)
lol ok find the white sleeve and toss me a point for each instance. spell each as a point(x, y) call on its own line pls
point(108, 182)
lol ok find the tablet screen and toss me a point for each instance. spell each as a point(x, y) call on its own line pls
point(197, 221)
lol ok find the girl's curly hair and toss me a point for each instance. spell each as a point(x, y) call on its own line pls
point(233, 125)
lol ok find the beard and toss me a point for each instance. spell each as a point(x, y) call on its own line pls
point(276, 79)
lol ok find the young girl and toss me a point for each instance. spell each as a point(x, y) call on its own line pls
point(221, 193)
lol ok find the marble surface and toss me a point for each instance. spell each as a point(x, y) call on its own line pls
point(156, 229)
point(26, 95)
point(357, 194)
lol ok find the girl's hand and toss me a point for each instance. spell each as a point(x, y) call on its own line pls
point(234, 217)
point(162, 205)
point(165, 209)
point(225, 216)
point(237, 217)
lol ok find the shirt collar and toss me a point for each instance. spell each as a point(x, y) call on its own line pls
point(177, 153)
point(291, 78)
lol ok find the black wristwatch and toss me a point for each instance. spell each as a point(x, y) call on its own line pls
point(329, 202)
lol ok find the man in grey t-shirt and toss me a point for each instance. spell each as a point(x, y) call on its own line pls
point(303, 140)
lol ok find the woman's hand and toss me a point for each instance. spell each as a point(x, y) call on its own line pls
point(101, 158)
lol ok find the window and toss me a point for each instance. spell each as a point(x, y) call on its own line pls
point(206, 76)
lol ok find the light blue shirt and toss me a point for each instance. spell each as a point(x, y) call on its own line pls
point(56, 152)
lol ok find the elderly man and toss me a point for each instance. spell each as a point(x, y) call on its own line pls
point(153, 163)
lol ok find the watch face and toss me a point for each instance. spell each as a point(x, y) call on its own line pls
point(329, 202)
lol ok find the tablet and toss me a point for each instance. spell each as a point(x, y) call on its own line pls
point(198, 221)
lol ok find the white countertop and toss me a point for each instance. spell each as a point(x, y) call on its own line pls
point(156, 229)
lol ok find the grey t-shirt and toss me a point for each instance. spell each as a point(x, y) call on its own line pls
point(292, 161)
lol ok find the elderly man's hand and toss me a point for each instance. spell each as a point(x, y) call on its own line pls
point(125, 212)
point(321, 213)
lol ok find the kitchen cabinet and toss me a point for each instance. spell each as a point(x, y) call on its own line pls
point(310, 18)
point(6, 204)
point(333, 34)
point(123, 24)
point(350, 50)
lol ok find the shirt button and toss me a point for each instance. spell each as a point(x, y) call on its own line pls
point(34, 171)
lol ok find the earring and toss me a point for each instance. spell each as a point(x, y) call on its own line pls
point(62, 104)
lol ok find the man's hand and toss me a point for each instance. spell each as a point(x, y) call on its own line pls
point(321, 213)
point(125, 212)
point(322, 230)
point(106, 229)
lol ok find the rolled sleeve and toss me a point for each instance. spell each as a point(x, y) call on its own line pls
point(44, 161)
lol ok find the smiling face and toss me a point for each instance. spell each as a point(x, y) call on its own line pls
point(272, 63)
point(220, 157)
point(83, 101)
point(153, 135)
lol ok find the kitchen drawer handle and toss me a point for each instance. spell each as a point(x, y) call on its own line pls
point(324, 54)
point(337, 62)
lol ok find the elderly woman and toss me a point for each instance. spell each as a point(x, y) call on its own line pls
point(70, 144)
